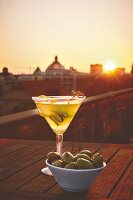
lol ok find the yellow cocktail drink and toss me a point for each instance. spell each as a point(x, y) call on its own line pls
point(58, 113)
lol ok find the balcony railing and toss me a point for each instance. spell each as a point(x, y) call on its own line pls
point(108, 114)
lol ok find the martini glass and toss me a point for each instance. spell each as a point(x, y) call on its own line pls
point(58, 111)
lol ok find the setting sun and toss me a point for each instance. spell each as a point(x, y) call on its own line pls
point(109, 66)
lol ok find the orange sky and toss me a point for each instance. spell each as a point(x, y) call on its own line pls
point(80, 32)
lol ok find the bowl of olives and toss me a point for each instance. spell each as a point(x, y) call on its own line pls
point(75, 173)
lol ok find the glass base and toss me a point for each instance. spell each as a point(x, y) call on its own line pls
point(46, 171)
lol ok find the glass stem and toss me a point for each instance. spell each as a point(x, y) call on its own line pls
point(59, 143)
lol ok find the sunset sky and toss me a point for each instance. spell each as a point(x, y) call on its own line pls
point(79, 32)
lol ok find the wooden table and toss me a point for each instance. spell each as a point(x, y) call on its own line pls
point(21, 178)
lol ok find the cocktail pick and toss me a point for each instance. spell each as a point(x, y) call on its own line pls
point(105, 135)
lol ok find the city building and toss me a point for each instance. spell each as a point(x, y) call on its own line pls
point(41, 87)
point(66, 77)
point(38, 74)
point(15, 100)
point(5, 72)
point(96, 69)
point(120, 70)
point(6, 75)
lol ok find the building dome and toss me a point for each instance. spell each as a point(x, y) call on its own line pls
point(5, 72)
point(5, 69)
point(55, 65)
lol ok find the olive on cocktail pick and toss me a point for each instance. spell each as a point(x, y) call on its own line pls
point(82, 163)
point(58, 163)
point(97, 160)
point(53, 156)
point(67, 157)
point(86, 152)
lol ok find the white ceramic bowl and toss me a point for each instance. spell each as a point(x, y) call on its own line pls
point(74, 180)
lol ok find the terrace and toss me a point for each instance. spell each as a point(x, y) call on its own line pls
point(100, 122)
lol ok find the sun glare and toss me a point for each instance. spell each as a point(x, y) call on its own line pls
point(109, 66)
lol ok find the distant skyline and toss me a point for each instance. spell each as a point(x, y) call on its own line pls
point(79, 32)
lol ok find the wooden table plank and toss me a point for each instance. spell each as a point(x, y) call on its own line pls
point(26, 174)
point(108, 152)
point(124, 190)
point(22, 177)
point(11, 148)
point(39, 184)
point(43, 142)
point(111, 174)
point(19, 154)
point(37, 196)
point(4, 143)
point(21, 163)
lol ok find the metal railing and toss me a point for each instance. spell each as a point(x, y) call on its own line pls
point(95, 118)
point(108, 117)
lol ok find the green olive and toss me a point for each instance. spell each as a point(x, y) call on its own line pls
point(57, 116)
point(83, 160)
point(53, 156)
point(58, 163)
point(67, 157)
point(65, 115)
point(82, 156)
point(97, 160)
point(86, 152)
point(71, 165)
point(82, 163)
